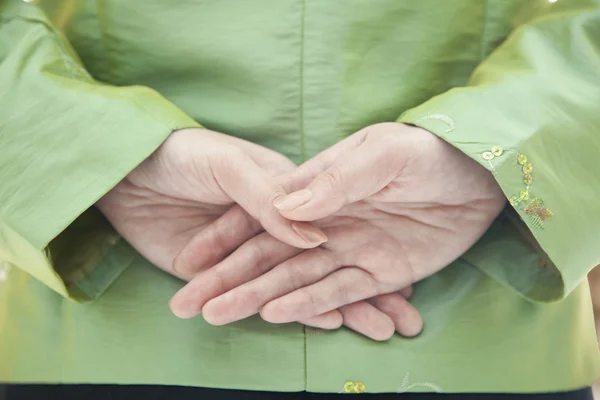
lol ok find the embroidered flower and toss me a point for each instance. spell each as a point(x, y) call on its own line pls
point(441, 117)
point(406, 385)
point(354, 387)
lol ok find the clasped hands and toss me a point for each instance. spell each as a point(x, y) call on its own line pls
point(336, 241)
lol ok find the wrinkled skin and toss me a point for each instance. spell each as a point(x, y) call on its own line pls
point(397, 204)
point(176, 210)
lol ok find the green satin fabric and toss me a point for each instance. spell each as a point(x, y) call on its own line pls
point(91, 88)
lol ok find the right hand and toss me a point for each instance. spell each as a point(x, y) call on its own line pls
point(186, 185)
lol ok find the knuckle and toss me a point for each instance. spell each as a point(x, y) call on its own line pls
point(342, 290)
point(220, 281)
point(266, 210)
point(254, 298)
point(218, 239)
point(332, 177)
point(256, 254)
point(327, 261)
point(295, 273)
point(274, 192)
point(311, 300)
point(321, 264)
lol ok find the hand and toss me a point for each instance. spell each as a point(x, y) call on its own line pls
point(178, 195)
point(186, 185)
point(397, 203)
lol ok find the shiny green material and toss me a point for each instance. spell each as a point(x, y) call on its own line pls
point(296, 76)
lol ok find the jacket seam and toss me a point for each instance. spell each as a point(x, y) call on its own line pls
point(301, 122)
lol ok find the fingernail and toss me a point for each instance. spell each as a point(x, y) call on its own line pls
point(293, 200)
point(310, 233)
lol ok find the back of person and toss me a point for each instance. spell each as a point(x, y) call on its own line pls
point(511, 315)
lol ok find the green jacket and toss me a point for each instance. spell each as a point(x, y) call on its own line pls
point(88, 89)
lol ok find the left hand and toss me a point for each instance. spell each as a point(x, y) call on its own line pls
point(397, 203)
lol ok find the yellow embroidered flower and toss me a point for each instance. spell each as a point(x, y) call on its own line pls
point(359, 387)
point(354, 387)
point(535, 210)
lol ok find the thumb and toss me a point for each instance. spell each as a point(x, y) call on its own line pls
point(252, 187)
point(354, 174)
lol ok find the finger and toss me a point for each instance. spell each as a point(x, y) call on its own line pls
point(342, 287)
point(251, 260)
point(406, 319)
point(247, 299)
point(214, 243)
point(354, 176)
point(367, 320)
point(407, 292)
point(330, 320)
point(249, 185)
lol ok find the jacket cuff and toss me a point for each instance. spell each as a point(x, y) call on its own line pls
point(525, 249)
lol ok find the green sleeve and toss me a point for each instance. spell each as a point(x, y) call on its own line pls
point(531, 115)
point(65, 141)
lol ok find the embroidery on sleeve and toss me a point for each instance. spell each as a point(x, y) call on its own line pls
point(534, 209)
point(441, 117)
point(406, 385)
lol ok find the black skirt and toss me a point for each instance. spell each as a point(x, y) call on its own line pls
point(116, 392)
